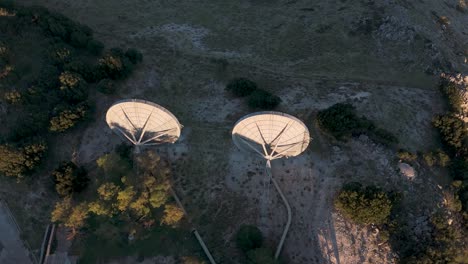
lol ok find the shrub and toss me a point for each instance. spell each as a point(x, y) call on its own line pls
point(19, 161)
point(340, 120)
point(172, 215)
point(95, 47)
point(406, 155)
point(364, 205)
point(134, 56)
point(87, 71)
point(68, 118)
point(263, 100)
point(73, 87)
point(60, 54)
point(241, 87)
point(261, 256)
point(69, 178)
point(454, 95)
point(79, 39)
point(249, 237)
point(13, 97)
point(106, 86)
point(452, 130)
point(436, 158)
point(115, 65)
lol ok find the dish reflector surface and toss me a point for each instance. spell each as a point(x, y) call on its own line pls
point(143, 122)
point(272, 135)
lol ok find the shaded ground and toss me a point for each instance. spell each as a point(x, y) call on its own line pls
point(12, 250)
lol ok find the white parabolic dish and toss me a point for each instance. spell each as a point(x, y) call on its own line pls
point(143, 122)
point(272, 135)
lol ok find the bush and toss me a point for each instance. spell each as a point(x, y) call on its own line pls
point(454, 96)
point(73, 87)
point(95, 47)
point(436, 158)
point(79, 39)
point(263, 100)
point(261, 256)
point(88, 72)
point(60, 54)
point(406, 156)
point(106, 86)
point(249, 237)
point(453, 132)
point(17, 162)
point(364, 205)
point(134, 56)
point(241, 87)
point(114, 65)
point(68, 118)
point(341, 121)
point(69, 178)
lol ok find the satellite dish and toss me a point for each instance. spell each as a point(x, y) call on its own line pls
point(272, 135)
point(143, 123)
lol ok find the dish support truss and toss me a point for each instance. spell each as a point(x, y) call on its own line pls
point(136, 137)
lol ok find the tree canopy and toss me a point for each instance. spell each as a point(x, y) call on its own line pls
point(364, 205)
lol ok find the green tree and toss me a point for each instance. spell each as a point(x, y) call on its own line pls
point(241, 87)
point(172, 214)
point(68, 118)
point(249, 237)
point(73, 87)
point(125, 197)
point(69, 178)
point(452, 130)
point(364, 205)
point(19, 161)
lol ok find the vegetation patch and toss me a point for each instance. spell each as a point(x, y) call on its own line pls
point(250, 240)
point(342, 121)
point(49, 65)
point(364, 205)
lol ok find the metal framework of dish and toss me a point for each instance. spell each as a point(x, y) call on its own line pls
point(272, 135)
point(143, 123)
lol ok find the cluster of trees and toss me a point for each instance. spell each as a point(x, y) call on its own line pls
point(130, 199)
point(69, 179)
point(18, 161)
point(51, 92)
point(342, 121)
point(441, 244)
point(364, 204)
point(257, 98)
point(454, 135)
point(437, 157)
point(249, 239)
